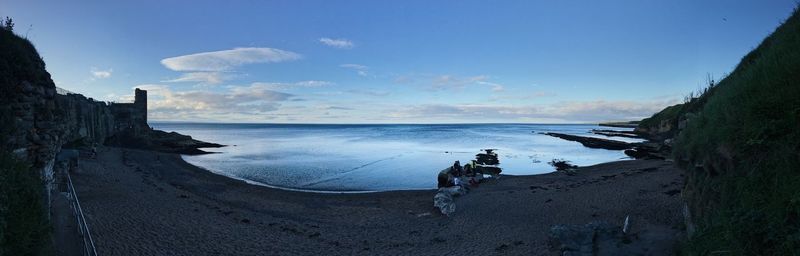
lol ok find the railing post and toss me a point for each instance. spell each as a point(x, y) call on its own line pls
point(83, 226)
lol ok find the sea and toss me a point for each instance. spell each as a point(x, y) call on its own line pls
point(379, 157)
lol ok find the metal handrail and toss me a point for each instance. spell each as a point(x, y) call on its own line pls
point(88, 242)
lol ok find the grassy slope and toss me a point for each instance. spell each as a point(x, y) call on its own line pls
point(745, 133)
point(24, 228)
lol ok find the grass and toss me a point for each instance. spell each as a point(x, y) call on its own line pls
point(19, 61)
point(741, 149)
point(24, 229)
point(673, 114)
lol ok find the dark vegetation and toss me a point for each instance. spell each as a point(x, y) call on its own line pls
point(24, 229)
point(740, 146)
point(8, 24)
point(672, 116)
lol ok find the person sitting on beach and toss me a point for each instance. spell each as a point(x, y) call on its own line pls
point(94, 151)
point(469, 168)
point(456, 170)
point(443, 180)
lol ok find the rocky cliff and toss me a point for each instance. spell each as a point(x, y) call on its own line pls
point(36, 120)
point(30, 126)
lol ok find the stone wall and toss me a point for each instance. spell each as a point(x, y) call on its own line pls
point(84, 119)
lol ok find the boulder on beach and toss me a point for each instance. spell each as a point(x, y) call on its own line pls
point(443, 200)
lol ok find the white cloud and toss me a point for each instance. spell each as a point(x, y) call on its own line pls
point(570, 112)
point(520, 96)
point(404, 79)
point(354, 66)
point(228, 59)
point(301, 84)
point(202, 77)
point(340, 43)
point(237, 102)
point(369, 92)
point(101, 74)
point(495, 86)
point(360, 69)
point(335, 108)
point(450, 82)
point(313, 83)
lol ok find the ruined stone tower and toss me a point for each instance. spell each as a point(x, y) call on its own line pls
point(131, 117)
point(141, 103)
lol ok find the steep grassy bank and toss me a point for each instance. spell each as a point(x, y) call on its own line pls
point(24, 229)
point(740, 144)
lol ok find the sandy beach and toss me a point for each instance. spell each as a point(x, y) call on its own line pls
point(148, 203)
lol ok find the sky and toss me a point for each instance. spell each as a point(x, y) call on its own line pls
point(394, 61)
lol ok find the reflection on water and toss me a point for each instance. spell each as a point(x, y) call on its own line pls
point(378, 157)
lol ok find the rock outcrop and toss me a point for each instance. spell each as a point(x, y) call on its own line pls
point(169, 142)
point(31, 127)
point(629, 124)
point(590, 142)
point(640, 150)
point(615, 133)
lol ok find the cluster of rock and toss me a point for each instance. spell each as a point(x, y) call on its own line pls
point(563, 166)
point(649, 149)
point(616, 133)
point(169, 142)
point(457, 180)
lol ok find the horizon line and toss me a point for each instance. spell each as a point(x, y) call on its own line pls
point(455, 123)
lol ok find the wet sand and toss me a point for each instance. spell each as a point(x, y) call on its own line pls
point(148, 203)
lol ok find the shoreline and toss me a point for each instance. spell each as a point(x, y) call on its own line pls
point(144, 202)
point(256, 183)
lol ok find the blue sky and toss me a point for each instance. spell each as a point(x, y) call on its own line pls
point(394, 62)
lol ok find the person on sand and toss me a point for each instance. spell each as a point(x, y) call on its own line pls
point(469, 168)
point(456, 170)
point(94, 150)
point(444, 180)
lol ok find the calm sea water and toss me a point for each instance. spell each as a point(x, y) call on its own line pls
point(378, 157)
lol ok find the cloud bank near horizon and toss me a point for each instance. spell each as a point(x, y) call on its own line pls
point(321, 101)
point(262, 102)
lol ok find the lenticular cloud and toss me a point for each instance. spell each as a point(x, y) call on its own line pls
point(228, 59)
